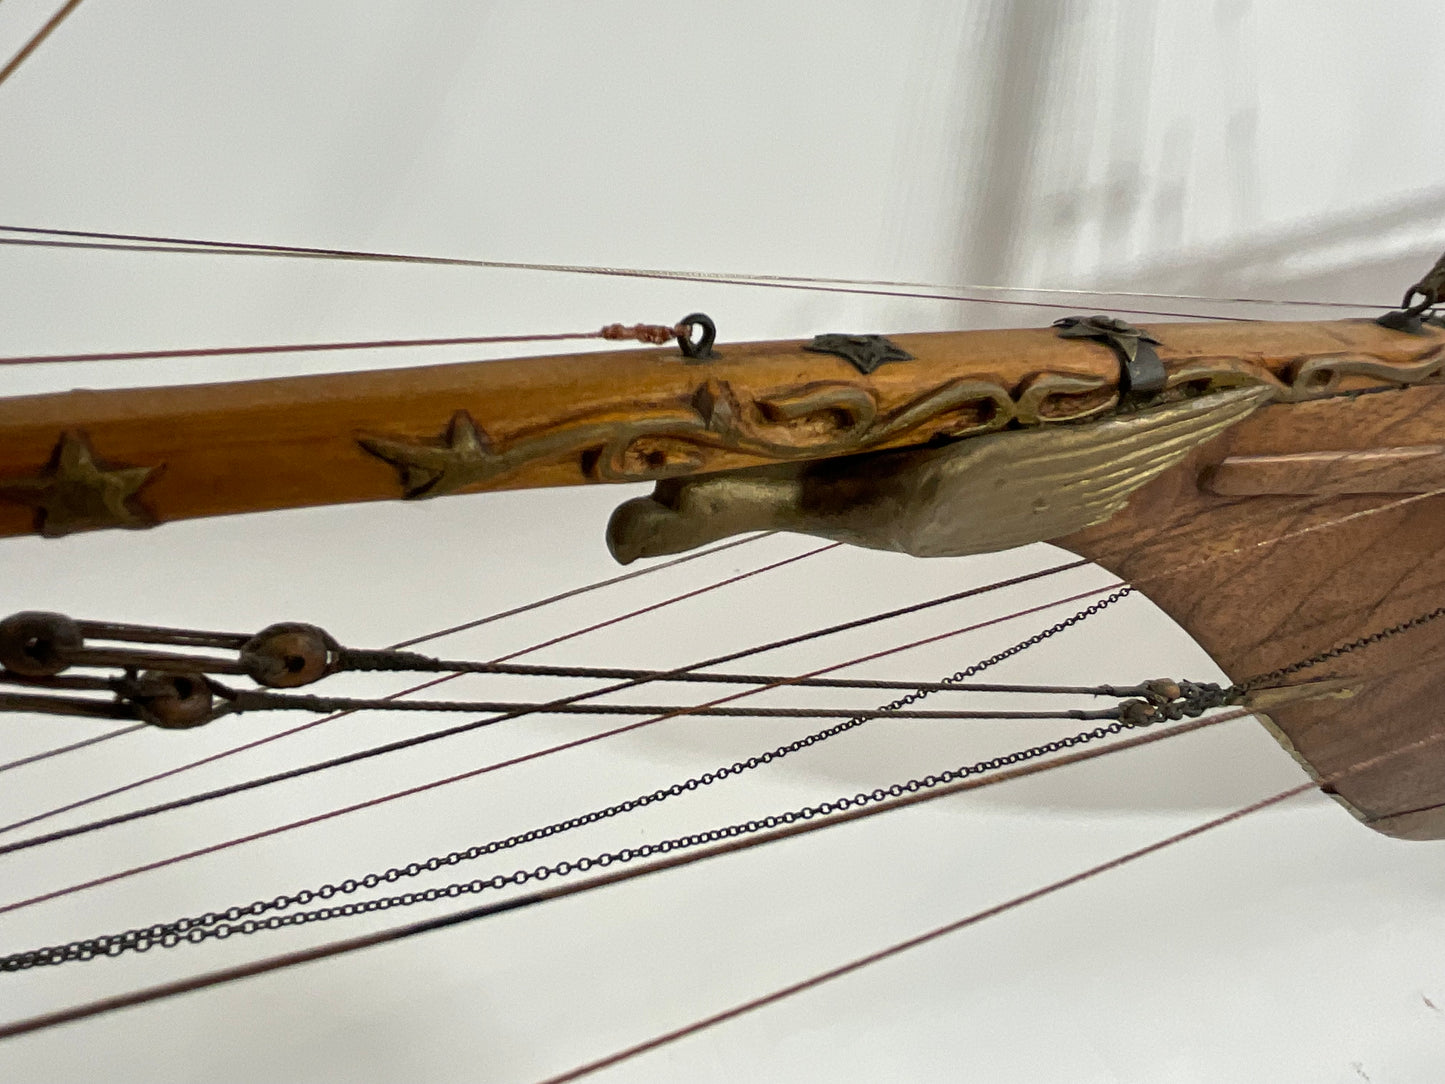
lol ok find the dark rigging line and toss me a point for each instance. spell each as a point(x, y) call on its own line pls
point(1325, 785)
point(1187, 566)
point(422, 787)
point(35, 758)
point(425, 638)
point(562, 596)
point(434, 682)
point(193, 247)
point(747, 842)
point(337, 948)
point(1372, 760)
point(162, 932)
point(924, 938)
point(719, 677)
point(234, 788)
point(146, 242)
point(405, 743)
point(516, 709)
point(37, 38)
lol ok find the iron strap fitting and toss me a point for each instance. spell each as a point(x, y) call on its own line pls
point(1141, 373)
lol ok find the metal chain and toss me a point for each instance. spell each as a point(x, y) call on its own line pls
point(1188, 698)
point(234, 920)
point(221, 925)
point(1275, 676)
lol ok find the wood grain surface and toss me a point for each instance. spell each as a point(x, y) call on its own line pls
point(1255, 604)
point(631, 415)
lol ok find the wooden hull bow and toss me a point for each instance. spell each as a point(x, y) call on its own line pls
point(1252, 579)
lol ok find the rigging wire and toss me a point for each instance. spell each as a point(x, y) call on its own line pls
point(133, 242)
point(607, 333)
point(238, 701)
point(220, 792)
point(426, 637)
point(433, 683)
point(562, 596)
point(756, 839)
point(233, 920)
point(756, 833)
point(1324, 785)
point(924, 938)
point(37, 38)
point(670, 861)
point(235, 788)
point(35, 758)
point(516, 709)
point(143, 243)
point(35, 841)
point(158, 933)
point(719, 677)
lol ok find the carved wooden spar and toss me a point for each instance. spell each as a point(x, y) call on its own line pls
point(87, 459)
point(1201, 461)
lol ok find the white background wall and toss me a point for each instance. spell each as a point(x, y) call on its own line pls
point(1286, 150)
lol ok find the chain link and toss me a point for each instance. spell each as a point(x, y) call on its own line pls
point(219, 926)
point(1191, 699)
point(1275, 676)
point(248, 919)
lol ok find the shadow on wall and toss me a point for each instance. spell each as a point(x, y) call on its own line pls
point(1368, 256)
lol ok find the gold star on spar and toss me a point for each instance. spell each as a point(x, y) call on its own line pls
point(459, 458)
point(76, 493)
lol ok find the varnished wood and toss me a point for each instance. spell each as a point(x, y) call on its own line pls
point(1256, 605)
point(631, 415)
point(1416, 469)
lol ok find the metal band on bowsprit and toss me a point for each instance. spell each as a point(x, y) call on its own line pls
point(1141, 373)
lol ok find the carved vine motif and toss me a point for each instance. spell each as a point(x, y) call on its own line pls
point(821, 419)
point(972, 496)
point(1314, 377)
point(1323, 376)
point(829, 418)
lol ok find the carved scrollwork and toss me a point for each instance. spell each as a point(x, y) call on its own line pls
point(821, 419)
point(1054, 397)
point(1324, 376)
point(816, 420)
point(833, 417)
point(974, 496)
point(1312, 378)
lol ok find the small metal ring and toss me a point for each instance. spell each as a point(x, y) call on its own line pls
point(702, 349)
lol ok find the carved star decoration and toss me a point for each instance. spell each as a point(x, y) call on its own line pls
point(458, 458)
point(75, 493)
